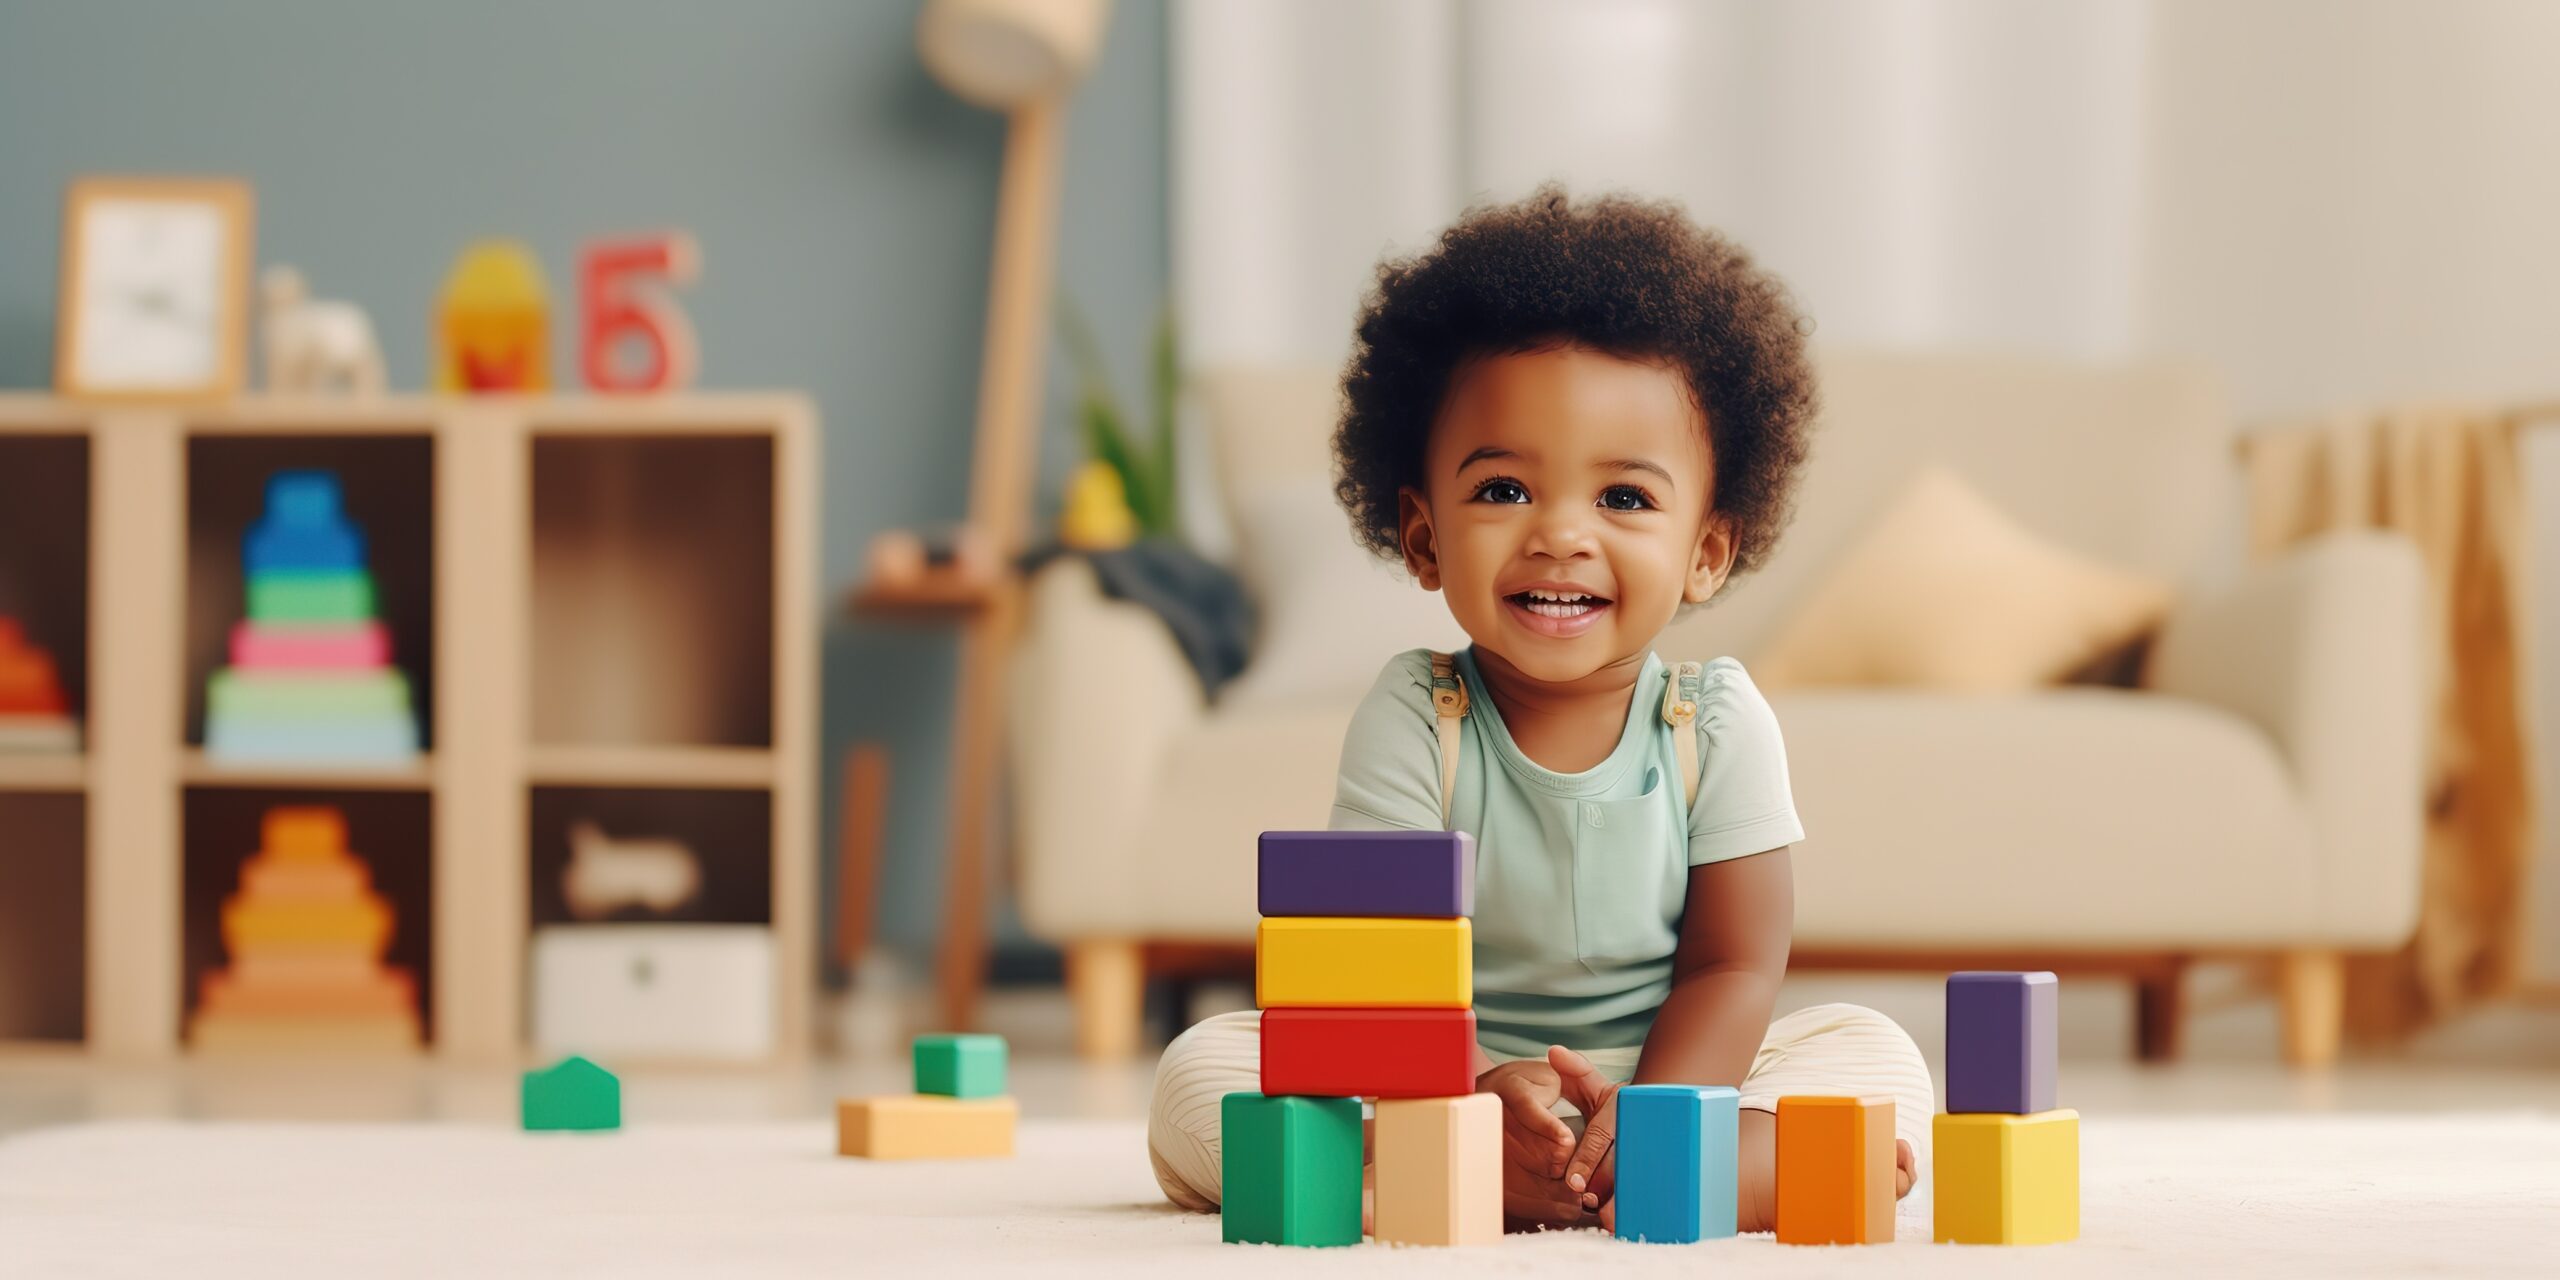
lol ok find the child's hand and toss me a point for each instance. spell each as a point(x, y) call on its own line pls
point(1593, 1169)
point(1535, 1147)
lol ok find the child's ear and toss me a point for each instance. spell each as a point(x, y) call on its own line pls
point(1716, 548)
point(1413, 534)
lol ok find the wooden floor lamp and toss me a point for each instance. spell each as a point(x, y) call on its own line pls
point(1021, 57)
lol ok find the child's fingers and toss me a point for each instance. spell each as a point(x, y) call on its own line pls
point(1599, 1136)
point(1535, 1137)
point(1580, 1083)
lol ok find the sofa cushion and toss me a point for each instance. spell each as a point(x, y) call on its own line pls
point(1329, 610)
point(1946, 591)
point(2074, 819)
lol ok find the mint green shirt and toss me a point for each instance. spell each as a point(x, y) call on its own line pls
point(1580, 877)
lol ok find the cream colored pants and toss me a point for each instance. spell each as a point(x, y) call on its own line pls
point(1837, 1049)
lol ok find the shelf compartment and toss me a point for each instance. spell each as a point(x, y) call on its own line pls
point(650, 630)
point(727, 831)
point(390, 832)
point(387, 480)
point(43, 917)
point(44, 551)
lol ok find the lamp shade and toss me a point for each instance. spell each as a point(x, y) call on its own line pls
point(1002, 53)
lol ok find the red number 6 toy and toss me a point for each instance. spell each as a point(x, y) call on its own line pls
point(623, 285)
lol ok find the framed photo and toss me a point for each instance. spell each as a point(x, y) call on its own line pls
point(155, 288)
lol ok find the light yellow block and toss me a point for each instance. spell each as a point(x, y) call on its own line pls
point(915, 1127)
point(1328, 962)
point(1440, 1170)
point(2004, 1179)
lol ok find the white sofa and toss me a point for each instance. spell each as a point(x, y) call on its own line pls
point(2258, 795)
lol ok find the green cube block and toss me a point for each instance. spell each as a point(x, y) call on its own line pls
point(285, 595)
point(575, 1095)
point(960, 1066)
point(1291, 1169)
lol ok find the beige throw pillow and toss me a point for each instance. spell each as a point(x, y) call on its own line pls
point(1945, 591)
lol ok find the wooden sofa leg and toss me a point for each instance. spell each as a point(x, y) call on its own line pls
point(2159, 1012)
point(2311, 995)
point(1107, 981)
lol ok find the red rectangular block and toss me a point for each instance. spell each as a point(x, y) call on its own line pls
point(1368, 1053)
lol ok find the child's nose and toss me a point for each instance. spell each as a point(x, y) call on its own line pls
point(1562, 534)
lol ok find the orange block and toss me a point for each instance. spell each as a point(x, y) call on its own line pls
point(269, 878)
point(386, 992)
point(249, 925)
point(310, 831)
point(313, 966)
point(1835, 1170)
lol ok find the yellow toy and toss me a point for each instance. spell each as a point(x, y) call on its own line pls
point(1343, 962)
point(2007, 1179)
point(1096, 516)
point(493, 321)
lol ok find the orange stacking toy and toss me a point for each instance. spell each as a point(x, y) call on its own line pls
point(34, 714)
point(306, 935)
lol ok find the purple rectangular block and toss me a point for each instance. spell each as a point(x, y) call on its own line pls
point(2000, 1043)
point(1428, 874)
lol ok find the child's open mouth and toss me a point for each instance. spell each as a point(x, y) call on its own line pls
point(1557, 612)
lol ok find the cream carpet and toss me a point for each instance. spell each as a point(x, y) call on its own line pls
point(2307, 1196)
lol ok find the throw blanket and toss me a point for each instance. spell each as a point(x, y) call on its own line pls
point(2447, 478)
point(1203, 605)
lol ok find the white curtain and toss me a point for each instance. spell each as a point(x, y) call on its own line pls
point(2330, 201)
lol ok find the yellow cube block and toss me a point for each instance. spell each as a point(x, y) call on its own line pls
point(1439, 1164)
point(2007, 1179)
point(1338, 963)
point(916, 1127)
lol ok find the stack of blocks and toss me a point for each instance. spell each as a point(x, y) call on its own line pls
point(1364, 969)
point(310, 680)
point(959, 1108)
point(2008, 1160)
point(34, 716)
point(306, 933)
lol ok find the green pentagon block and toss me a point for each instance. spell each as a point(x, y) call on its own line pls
point(960, 1066)
point(335, 595)
point(575, 1095)
point(1291, 1169)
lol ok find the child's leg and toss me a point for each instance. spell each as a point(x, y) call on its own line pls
point(1199, 1069)
point(1839, 1050)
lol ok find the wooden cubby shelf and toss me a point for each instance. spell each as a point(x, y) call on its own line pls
point(603, 609)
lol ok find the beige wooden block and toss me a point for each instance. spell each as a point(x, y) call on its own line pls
point(915, 1127)
point(1440, 1170)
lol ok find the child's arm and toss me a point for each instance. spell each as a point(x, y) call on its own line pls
point(1734, 937)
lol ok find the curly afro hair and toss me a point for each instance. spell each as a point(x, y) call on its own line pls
point(1635, 279)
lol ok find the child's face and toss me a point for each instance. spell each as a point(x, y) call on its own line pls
point(1568, 473)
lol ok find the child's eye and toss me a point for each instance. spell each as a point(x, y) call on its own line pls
point(1626, 497)
point(1501, 489)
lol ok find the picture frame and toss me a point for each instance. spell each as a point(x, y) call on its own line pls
point(154, 302)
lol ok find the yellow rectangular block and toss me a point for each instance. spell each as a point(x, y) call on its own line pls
point(1440, 1170)
point(1340, 963)
point(917, 1127)
point(2005, 1179)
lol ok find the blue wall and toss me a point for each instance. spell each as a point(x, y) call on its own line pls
point(844, 203)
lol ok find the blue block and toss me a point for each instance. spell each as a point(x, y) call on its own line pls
point(370, 742)
point(2001, 1030)
point(1678, 1176)
point(304, 498)
point(274, 546)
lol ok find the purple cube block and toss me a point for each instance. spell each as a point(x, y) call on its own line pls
point(2000, 1043)
point(1428, 874)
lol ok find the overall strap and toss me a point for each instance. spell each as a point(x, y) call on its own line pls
point(1680, 711)
point(1449, 705)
